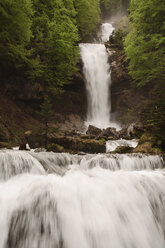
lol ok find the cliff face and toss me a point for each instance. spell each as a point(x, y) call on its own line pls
point(127, 101)
point(19, 104)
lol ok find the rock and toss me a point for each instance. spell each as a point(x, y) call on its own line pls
point(93, 131)
point(40, 149)
point(123, 149)
point(81, 153)
point(130, 130)
point(35, 139)
point(55, 148)
point(122, 133)
point(109, 132)
point(5, 145)
point(94, 146)
point(76, 144)
point(135, 130)
point(24, 147)
point(3, 136)
point(147, 148)
point(147, 138)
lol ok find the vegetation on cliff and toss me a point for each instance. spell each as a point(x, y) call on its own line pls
point(145, 50)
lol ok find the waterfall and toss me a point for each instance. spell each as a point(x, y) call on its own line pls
point(111, 145)
point(93, 201)
point(98, 80)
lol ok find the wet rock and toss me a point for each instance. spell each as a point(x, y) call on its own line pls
point(24, 147)
point(123, 149)
point(76, 144)
point(5, 145)
point(40, 149)
point(135, 130)
point(147, 148)
point(123, 133)
point(109, 132)
point(93, 131)
point(55, 148)
point(34, 139)
point(81, 153)
point(3, 136)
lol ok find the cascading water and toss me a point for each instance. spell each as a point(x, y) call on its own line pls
point(94, 201)
point(51, 200)
point(98, 80)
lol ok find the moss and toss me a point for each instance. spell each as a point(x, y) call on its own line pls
point(77, 144)
point(123, 149)
point(147, 137)
point(55, 148)
point(147, 147)
point(5, 145)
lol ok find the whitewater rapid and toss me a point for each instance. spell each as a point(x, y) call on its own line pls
point(89, 201)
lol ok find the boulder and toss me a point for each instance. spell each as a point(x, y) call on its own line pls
point(24, 147)
point(147, 148)
point(40, 149)
point(93, 131)
point(123, 149)
point(5, 145)
point(122, 134)
point(76, 144)
point(135, 130)
point(109, 132)
point(55, 148)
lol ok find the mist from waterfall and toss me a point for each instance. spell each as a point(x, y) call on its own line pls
point(96, 69)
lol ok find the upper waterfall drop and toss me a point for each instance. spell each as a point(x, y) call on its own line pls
point(106, 31)
point(98, 80)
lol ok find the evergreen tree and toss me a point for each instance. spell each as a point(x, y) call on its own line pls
point(15, 34)
point(88, 17)
point(145, 44)
point(55, 38)
point(46, 114)
point(145, 49)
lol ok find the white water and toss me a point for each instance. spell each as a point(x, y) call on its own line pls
point(111, 145)
point(106, 31)
point(98, 80)
point(92, 201)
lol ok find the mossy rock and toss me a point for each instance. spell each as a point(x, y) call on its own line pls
point(55, 148)
point(123, 149)
point(76, 144)
point(147, 138)
point(3, 135)
point(147, 147)
point(5, 145)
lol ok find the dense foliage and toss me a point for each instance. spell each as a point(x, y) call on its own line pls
point(39, 39)
point(88, 17)
point(15, 35)
point(145, 49)
point(114, 6)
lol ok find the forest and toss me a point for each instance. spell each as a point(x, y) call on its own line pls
point(39, 43)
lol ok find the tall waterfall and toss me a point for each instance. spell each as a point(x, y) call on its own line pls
point(98, 80)
point(50, 200)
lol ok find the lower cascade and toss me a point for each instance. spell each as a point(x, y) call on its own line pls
point(87, 201)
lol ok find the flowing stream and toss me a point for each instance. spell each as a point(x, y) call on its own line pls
point(98, 80)
point(51, 200)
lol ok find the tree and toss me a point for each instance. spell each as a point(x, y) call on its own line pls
point(55, 38)
point(144, 45)
point(88, 17)
point(145, 49)
point(46, 114)
point(15, 33)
